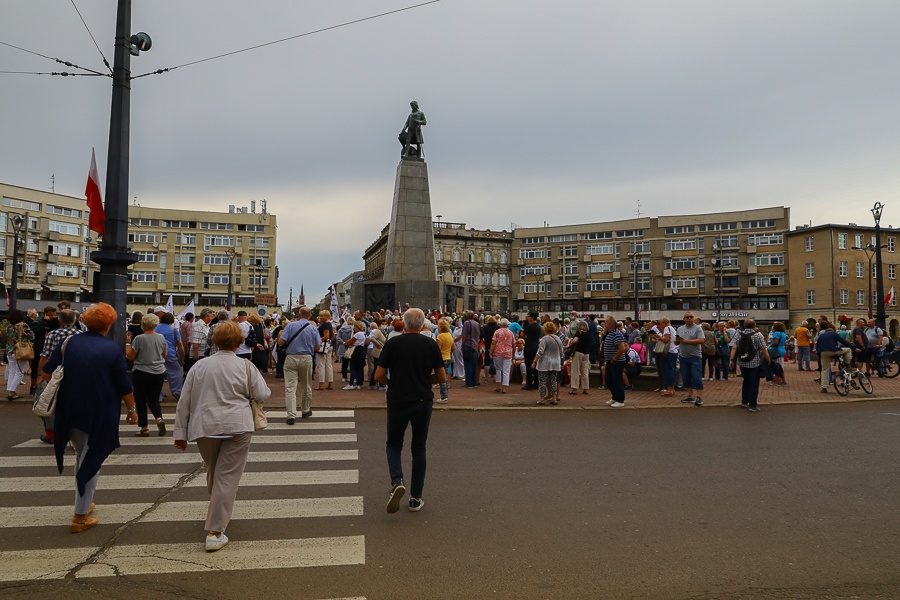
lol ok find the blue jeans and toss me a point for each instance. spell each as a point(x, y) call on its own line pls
point(722, 367)
point(692, 372)
point(666, 364)
point(750, 387)
point(614, 380)
point(470, 363)
point(803, 355)
point(445, 387)
point(417, 414)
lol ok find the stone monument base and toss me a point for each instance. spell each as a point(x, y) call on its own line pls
point(427, 295)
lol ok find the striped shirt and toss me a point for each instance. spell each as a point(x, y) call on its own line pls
point(611, 345)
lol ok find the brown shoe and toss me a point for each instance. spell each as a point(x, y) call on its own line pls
point(80, 524)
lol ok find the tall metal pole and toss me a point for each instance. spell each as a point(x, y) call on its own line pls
point(113, 255)
point(18, 221)
point(230, 252)
point(880, 316)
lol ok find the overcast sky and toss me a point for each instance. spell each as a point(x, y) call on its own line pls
point(537, 111)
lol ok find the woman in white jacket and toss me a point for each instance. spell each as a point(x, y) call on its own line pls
point(214, 411)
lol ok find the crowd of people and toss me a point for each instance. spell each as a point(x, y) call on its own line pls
point(215, 365)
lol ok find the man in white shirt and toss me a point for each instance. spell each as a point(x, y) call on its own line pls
point(244, 351)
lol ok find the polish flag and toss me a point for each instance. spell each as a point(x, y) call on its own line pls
point(94, 201)
point(889, 299)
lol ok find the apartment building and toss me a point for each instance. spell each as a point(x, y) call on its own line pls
point(192, 255)
point(832, 272)
point(717, 265)
point(54, 247)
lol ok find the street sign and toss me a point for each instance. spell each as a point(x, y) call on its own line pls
point(264, 299)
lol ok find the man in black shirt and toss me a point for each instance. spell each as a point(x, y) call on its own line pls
point(414, 363)
point(532, 332)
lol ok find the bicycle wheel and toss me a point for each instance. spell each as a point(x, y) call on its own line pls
point(841, 383)
point(890, 368)
point(866, 383)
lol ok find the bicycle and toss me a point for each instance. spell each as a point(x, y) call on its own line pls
point(844, 376)
point(885, 365)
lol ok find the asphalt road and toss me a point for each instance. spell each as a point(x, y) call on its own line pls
point(792, 502)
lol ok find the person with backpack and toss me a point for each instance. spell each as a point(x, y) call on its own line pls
point(749, 352)
point(777, 340)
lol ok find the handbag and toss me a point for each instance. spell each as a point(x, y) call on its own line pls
point(349, 352)
point(660, 347)
point(260, 420)
point(45, 398)
point(24, 348)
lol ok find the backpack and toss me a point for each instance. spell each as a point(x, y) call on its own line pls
point(746, 351)
point(250, 340)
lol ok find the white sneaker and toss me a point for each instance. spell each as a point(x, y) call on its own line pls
point(216, 542)
point(617, 404)
point(357, 387)
point(349, 387)
point(343, 380)
point(609, 402)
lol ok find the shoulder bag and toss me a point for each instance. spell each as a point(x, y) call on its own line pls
point(260, 420)
point(24, 348)
point(45, 397)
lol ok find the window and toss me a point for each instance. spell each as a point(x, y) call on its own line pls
point(679, 230)
point(681, 283)
point(439, 255)
point(65, 228)
point(3, 218)
point(487, 257)
point(599, 286)
point(456, 255)
point(643, 285)
point(682, 244)
point(767, 280)
point(810, 270)
point(531, 271)
point(456, 277)
point(440, 275)
point(145, 222)
point(640, 247)
point(765, 260)
point(810, 297)
point(185, 259)
point(252, 228)
point(842, 268)
point(860, 297)
point(531, 253)
point(487, 279)
point(471, 256)
point(627, 233)
point(142, 238)
point(842, 241)
point(809, 243)
point(21, 204)
point(215, 259)
point(760, 224)
point(162, 260)
point(599, 249)
point(62, 211)
point(63, 270)
point(187, 239)
point(503, 280)
point(858, 238)
point(602, 235)
point(32, 245)
point(179, 224)
point(533, 240)
point(215, 279)
point(533, 288)
point(604, 267)
point(892, 271)
point(470, 278)
point(680, 264)
point(218, 240)
point(143, 276)
point(874, 271)
point(729, 281)
point(845, 297)
point(570, 251)
point(718, 227)
point(727, 241)
point(503, 258)
point(61, 249)
point(860, 269)
point(259, 242)
point(570, 286)
point(217, 226)
point(765, 239)
point(571, 237)
point(729, 261)
point(147, 257)
point(642, 265)
point(892, 244)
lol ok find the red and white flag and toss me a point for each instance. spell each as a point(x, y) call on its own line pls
point(889, 299)
point(94, 201)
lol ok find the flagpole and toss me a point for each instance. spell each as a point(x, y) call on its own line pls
point(113, 255)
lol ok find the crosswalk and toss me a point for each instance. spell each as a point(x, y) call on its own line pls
point(286, 468)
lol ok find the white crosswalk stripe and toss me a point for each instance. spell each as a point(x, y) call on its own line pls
point(295, 471)
point(280, 414)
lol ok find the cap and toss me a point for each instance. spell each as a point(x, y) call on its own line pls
point(159, 309)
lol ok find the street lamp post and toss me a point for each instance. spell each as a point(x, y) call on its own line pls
point(230, 253)
point(18, 226)
point(635, 261)
point(880, 316)
point(717, 274)
point(869, 249)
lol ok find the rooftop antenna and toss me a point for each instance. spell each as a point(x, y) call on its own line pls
point(253, 206)
point(638, 211)
point(52, 183)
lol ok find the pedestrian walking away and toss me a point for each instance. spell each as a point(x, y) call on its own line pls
point(414, 362)
point(148, 352)
point(300, 342)
point(749, 353)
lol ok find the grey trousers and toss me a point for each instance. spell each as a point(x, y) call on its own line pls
point(82, 503)
point(225, 459)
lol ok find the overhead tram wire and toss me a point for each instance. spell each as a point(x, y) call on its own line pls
point(60, 61)
point(293, 37)
point(62, 73)
point(105, 62)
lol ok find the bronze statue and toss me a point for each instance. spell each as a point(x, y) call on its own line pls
point(412, 133)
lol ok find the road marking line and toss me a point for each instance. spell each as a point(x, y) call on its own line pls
point(145, 559)
point(167, 480)
point(298, 438)
point(182, 458)
point(244, 510)
point(280, 414)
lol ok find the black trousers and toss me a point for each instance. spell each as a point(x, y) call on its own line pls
point(147, 387)
point(531, 374)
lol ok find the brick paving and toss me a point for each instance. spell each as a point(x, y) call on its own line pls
point(801, 389)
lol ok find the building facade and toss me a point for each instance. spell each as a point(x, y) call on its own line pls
point(192, 256)
point(832, 272)
point(54, 247)
point(717, 265)
point(479, 259)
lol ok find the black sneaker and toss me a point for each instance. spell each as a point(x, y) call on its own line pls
point(698, 401)
point(290, 421)
point(306, 415)
point(753, 409)
point(688, 400)
point(745, 405)
point(416, 504)
point(397, 492)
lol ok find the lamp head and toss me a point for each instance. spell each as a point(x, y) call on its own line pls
point(876, 212)
point(18, 221)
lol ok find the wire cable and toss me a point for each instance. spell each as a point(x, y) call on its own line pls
point(54, 73)
point(293, 37)
point(60, 61)
point(105, 62)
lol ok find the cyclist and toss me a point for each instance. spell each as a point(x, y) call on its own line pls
point(829, 345)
